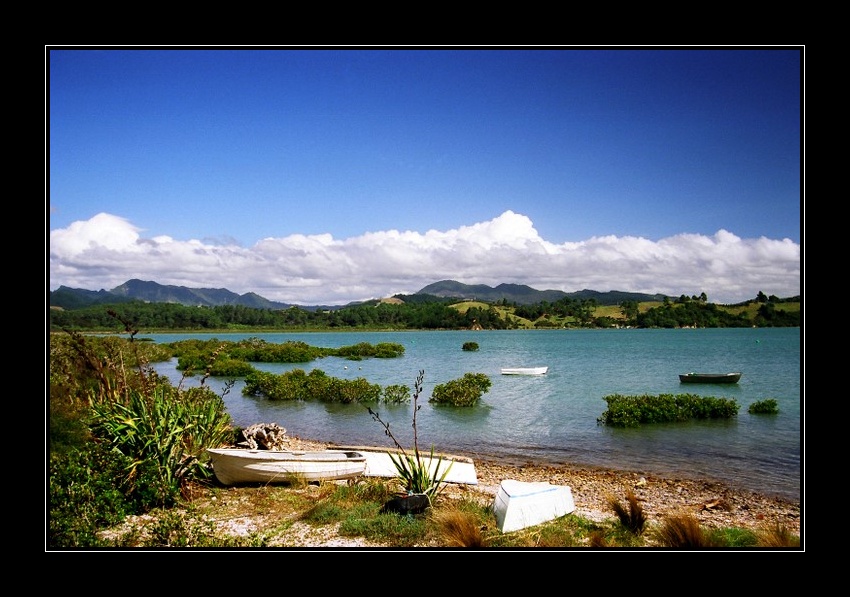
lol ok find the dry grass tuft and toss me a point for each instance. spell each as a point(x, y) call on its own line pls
point(633, 517)
point(777, 535)
point(458, 528)
point(597, 539)
point(683, 531)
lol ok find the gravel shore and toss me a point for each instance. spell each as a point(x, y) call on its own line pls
point(714, 504)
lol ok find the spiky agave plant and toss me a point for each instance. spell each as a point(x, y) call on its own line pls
point(413, 471)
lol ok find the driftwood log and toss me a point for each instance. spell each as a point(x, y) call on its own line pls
point(264, 436)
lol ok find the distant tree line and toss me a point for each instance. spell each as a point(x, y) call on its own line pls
point(435, 315)
point(426, 316)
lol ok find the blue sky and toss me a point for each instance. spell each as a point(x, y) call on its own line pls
point(324, 176)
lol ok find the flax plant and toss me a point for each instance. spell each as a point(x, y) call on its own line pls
point(164, 431)
point(413, 470)
point(167, 429)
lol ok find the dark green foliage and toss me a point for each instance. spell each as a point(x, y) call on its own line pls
point(691, 314)
point(420, 311)
point(86, 494)
point(349, 391)
point(606, 322)
point(633, 411)
point(286, 386)
point(231, 368)
point(382, 350)
point(165, 433)
point(581, 311)
point(769, 316)
point(260, 351)
point(466, 391)
point(470, 346)
point(67, 425)
point(194, 355)
point(145, 440)
point(315, 386)
point(768, 406)
point(396, 394)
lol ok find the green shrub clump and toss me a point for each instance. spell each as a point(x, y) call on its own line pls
point(85, 495)
point(633, 411)
point(768, 406)
point(466, 391)
point(396, 394)
point(315, 386)
point(470, 346)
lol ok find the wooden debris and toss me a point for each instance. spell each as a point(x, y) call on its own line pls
point(717, 503)
point(264, 436)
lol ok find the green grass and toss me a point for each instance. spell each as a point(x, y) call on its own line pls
point(353, 510)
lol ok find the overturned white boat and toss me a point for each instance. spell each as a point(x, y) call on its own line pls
point(379, 464)
point(520, 504)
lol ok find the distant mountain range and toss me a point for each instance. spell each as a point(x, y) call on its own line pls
point(526, 295)
point(151, 292)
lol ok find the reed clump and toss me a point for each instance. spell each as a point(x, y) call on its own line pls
point(632, 517)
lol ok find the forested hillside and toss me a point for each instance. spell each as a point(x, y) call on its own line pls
point(433, 314)
point(443, 291)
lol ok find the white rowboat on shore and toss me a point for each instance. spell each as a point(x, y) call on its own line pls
point(237, 465)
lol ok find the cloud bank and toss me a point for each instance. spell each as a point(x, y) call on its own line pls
point(107, 250)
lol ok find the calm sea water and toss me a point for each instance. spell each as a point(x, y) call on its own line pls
point(553, 418)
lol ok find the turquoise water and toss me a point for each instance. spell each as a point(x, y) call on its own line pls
point(552, 418)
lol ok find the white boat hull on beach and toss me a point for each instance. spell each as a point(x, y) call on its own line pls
point(237, 465)
point(520, 504)
point(379, 464)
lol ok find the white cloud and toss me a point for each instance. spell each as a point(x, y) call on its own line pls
point(107, 250)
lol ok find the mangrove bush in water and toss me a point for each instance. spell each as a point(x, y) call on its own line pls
point(466, 391)
point(229, 357)
point(768, 406)
point(313, 386)
point(633, 411)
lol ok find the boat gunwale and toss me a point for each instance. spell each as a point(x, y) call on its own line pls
point(238, 466)
point(286, 455)
point(696, 377)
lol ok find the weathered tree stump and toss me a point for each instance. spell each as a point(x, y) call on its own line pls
point(264, 436)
